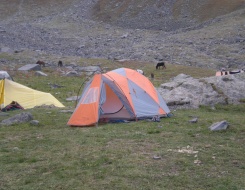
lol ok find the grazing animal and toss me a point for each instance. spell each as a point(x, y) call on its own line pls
point(152, 76)
point(161, 64)
point(60, 64)
point(140, 71)
point(41, 63)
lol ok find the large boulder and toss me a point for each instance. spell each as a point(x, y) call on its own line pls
point(186, 91)
point(30, 67)
point(19, 118)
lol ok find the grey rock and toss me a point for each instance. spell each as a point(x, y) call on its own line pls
point(53, 86)
point(194, 120)
point(72, 98)
point(181, 77)
point(184, 90)
point(155, 157)
point(69, 67)
point(30, 67)
point(19, 118)
point(39, 73)
point(89, 69)
point(222, 125)
point(72, 74)
point(5, 74)
point(34, 122)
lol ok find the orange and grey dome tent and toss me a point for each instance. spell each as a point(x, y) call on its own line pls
point(119, 94)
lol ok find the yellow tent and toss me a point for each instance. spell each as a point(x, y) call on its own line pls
point(26, 97)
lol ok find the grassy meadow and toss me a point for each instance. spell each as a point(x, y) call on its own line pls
point(170, 154)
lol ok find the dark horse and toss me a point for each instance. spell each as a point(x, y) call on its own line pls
point(60, 64)
point(160, 64)
point(41, 63)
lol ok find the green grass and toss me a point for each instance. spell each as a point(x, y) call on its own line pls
point(121, 156)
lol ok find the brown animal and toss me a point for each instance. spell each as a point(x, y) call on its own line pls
point(41, 63)
point(60, 64)
point(161, 64)
point(152, 76)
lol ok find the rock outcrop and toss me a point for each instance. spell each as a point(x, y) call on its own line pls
point(19, 118)
point(184, 91)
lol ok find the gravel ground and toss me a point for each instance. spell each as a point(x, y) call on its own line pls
point(71, 32)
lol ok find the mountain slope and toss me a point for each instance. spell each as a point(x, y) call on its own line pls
point(162, 14)
point(90, 29)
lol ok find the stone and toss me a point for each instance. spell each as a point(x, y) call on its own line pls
point(90, 69)
point(34, 122)
point(19, 118)
point(156, 157)
point(5, 74)
point(72, 98)
point(222, 125)
point(194, 120)
point(39, 73)
point(30, 67)
point(72, 74)
point(184, 90)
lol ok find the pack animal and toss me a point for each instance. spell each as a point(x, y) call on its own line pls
point(60, 64)
point(41, 63)
point(161, 64)
point(152, 76)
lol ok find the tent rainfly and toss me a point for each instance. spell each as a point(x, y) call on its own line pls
point(26, 97)
point(119, 94)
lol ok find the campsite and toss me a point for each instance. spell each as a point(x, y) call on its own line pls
point(172, 153)
point(60, 130)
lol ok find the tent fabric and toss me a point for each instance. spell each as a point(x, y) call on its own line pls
point(89, 104)
point(1, 92)
point(25, 96)
point(119, 94)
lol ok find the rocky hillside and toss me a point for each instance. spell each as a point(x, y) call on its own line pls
point(198, 33)
point(167, 15)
